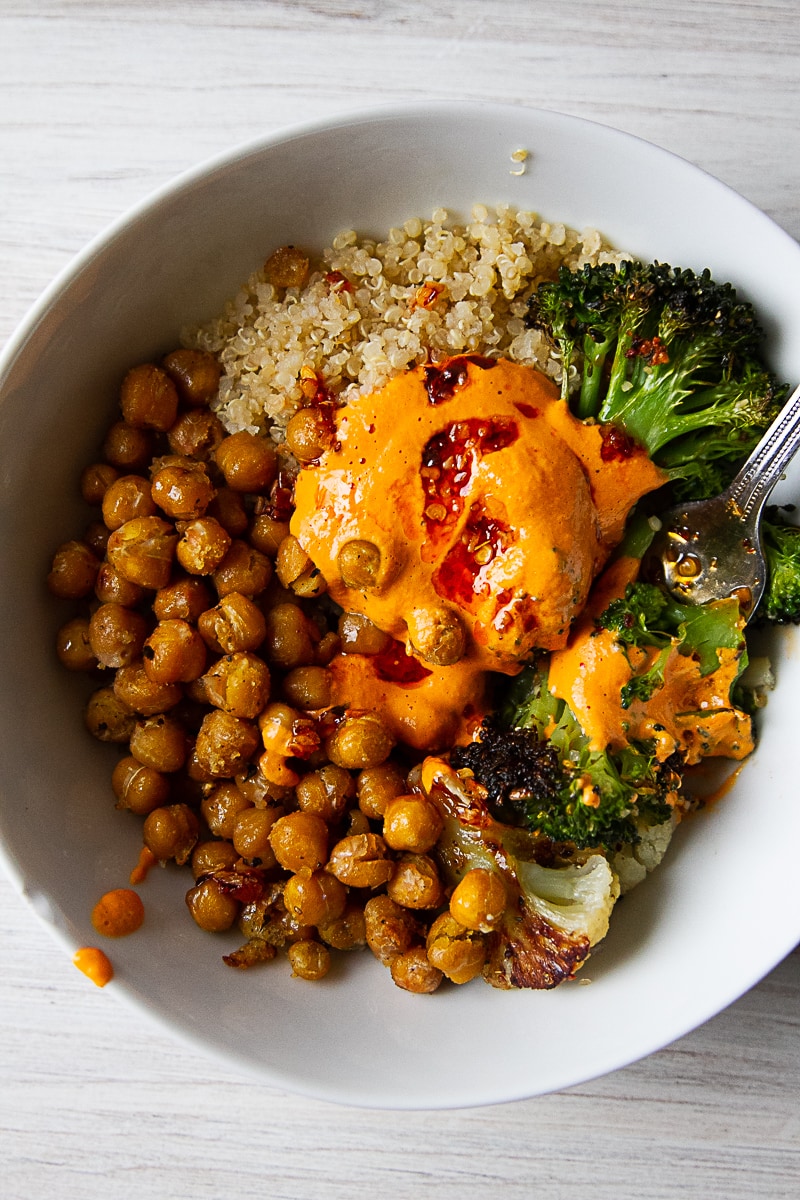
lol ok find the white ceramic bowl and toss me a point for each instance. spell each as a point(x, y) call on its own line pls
point(720, 912)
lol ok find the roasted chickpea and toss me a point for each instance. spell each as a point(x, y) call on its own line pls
point(174, 653)
point(96, 536)
point(116, 635)
point(479, 900)
point(300, 841)
point(309, 434)
point(248, 461)
point(414, 973)
point(347, 932)
point(196, 434)
point(73, 646)
point(148, 398)
point(412, 823)
point(203, 546)
point(359, 564)
point(228, 508)
point(360, 860)
point(358, 742)
point(126, 498)
point(222, 807)
point(211, 907)
point(142, 695)
point(359, 636)
point(142, 551)
point(107, 718)
point(309, 688)
point(225, 744)
point(96, 480)
point(73, 572)
point(208, 857)
point(111, 588)
point(376, 786)
point(357, 822)
point(457, 952)
point(287, 637)
point(296, 571)
point(243, 569)
point(139, 789)
point(251, 835)
point(266, 534)
point(183, 600)
point(238, 684)
point(326, 792)
point(159, 742)
point(390, 929)
point(437, 635)
point(415, 882)
point(126, 448)
point(309, 959)
point(326, 648)
point(171, 832)
point(315, 898)
point(236, 623)
point(196, 373)
point(181, 488)
point(286, 734)
point(287, 267)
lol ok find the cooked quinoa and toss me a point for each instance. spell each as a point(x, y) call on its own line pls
point(371, 309)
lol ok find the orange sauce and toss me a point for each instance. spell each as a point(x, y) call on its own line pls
point(118, 913)
point(94, 964)
point(147, 860)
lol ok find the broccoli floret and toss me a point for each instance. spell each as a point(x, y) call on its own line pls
point(669, 356)
point(780, 604)
point(642, 687)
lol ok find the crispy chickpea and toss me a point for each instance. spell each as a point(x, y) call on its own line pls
point(251, 835)
point(73, 646)
point(239, 684)
point(139, 789)
point(203, 546)
point(315, 898)
point(287, 637)
point(376, 786)
point(96, 479)
point(126, 498)
point(142, 695)
point(413, 972)
point(300, 841)
point(309, 959)
point(73, 572)
point(309, 688)
point(126, 448)
point(459, 953)
point(211, 907)
point(159, 742)
point(171, 832)
point(359, 564)
point(326, 792)
point(236, 623)
point(248, 461)
point(107, 718)
point(266, 534)
point(116, 635)
point(243, 569)
point(228, 508)
point(479, 900)
point(357, 822)
point(296, 571)
point(259, 790)
point(359, 636)
point(412, 823)
point(182, 489)
point(118, 913)
point(437, 635)
point(225, 744)
point(287, 267)
point(196, 374)
point(142, 551)
point(196, 434)
point(96, 536)
point(183, 600)
point(211, 856)
point(222, 807)
point(309, 434)
point(390, 929)
point(415, 882)
point(359, 860)
point(174, 653)
point(148, 398)
point(347, 932)
point(111, 588)
point(358, 742)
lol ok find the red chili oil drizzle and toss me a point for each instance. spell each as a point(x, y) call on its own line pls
point(527, 410)
point(280, 504)
point(338, 282)
point(395, 665)
point(448, 461)
point(246, 886)
point(441, 381)
point(458, 578)
point(616, 444)
point(651, 350)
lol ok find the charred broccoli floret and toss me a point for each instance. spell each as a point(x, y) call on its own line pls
point(669, 356)
point(780, 604)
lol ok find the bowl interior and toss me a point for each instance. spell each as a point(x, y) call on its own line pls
point(689, 940)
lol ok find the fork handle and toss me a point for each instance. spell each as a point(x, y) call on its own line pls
point(756, 479)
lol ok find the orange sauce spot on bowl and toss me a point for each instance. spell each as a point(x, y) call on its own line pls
point(94, 964)
point(118, 913)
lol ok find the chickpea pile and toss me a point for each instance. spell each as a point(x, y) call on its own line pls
point(209, 632)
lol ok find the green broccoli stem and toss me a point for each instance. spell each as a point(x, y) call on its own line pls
point(595, 353)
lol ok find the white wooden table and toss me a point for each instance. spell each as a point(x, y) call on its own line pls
point(99, 103)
